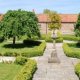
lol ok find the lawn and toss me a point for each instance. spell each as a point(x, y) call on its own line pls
point(8, 71)
point(28, 48)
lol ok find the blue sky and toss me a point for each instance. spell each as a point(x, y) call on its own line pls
point(61, 6)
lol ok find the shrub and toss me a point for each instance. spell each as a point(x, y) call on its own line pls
point(21, 60)
point(48, 38)
point(27, 71)
point(71, 37)
point(71, 51)
point(31, 42)
point(1, 39)
point(77, 69)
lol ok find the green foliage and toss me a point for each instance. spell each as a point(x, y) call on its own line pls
point(46, 11)
point(9, 71)
point(71, 51)
point(48, 38)
point(31, 42)
point(77, 32)
point(55, 20)
point(21, 60)
point(71, 37)
point(77, 27)
point(77, 69)
point(29, 50)
point(37, 51)
point(16, 23)
point(27, 71)
point(1, 38)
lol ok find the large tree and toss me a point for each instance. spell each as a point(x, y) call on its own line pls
point(77, 27)
point(16, 23)
point(55, 20)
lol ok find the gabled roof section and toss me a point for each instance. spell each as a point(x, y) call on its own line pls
point(42, 17)
point(64, 18)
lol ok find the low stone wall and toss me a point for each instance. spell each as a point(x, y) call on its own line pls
point(7, 59)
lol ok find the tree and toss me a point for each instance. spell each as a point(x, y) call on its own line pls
point(77, 27)
point(16, 23)
point(55, 20)
point(46, 11)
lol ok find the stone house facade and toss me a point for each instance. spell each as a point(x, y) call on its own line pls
point(67, 23)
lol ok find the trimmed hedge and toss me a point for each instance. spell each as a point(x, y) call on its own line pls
point(71, 51)
point(29, 51)
point(71, 37)
point(20, 60)
point(27, 71)
point(47, 37)
point(77, 69)
point(37, 51)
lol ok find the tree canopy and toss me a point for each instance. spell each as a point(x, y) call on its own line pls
point(55, 20)
point(16, 23)
point(77, 27)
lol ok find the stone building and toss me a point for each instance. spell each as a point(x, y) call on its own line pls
point(67, 23)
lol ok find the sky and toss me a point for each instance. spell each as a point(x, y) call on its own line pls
point(61, 6)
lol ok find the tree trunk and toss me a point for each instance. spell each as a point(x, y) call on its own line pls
point(14, 38)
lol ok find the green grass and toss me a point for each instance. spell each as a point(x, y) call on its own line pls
point(8, 71)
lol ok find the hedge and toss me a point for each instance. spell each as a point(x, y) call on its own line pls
point(29, 51)
point(71, 51)
point(71, 37)
point(37, 51)
point(27, 71)
point(20, 60)
point(77, 69)
point(47, 37)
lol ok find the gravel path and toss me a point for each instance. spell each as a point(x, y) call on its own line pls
point(55, 71)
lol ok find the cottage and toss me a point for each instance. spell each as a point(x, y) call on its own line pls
point(67, 23)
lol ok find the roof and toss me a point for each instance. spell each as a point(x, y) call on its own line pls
point(64, 17)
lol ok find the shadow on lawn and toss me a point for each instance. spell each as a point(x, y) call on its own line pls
point(26, 43)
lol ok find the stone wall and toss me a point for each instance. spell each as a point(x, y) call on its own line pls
point(65, 29)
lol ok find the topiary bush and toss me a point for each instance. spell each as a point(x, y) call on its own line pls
point(71, 51)
point(21, 60)
point(27, 71)
point(31, 42)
